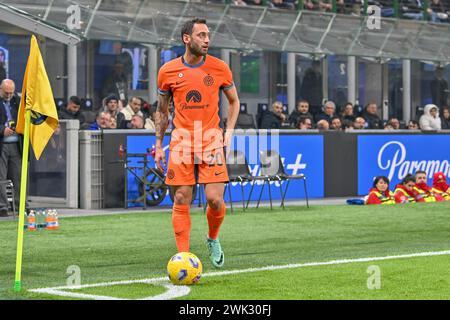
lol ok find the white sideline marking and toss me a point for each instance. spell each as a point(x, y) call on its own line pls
point(179, 291)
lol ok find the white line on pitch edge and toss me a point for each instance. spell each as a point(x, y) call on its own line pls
point(185, 290)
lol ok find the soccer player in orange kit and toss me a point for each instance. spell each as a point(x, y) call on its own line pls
point(194, 82)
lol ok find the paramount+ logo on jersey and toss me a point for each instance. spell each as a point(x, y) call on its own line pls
point(193, 97)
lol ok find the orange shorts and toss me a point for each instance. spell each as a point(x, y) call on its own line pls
point(210, 164)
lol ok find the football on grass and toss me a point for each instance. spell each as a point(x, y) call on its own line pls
point(184, 268)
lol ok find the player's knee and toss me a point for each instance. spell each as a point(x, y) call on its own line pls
point(182, 197)
point(215, 203)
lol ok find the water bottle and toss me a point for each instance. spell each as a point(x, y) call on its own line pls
point(31, 221)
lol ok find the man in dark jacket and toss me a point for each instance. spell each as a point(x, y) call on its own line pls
point(72, 110)
point(439, 88)
point(302, 110)
point(274, 118)
point(371, 116)
point(10, 144)
point(311, 88)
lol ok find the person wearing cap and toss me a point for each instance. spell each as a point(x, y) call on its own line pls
point(430, 119)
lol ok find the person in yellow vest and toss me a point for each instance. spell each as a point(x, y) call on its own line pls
point(380, 193)
point(440, 185)
point(404, 192)
point(424, 192)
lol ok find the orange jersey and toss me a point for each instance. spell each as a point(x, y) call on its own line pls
point(195, 90)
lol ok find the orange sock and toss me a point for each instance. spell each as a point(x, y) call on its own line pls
point(215, 219)
point(181, 222)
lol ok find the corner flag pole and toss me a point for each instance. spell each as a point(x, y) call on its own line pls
point(23, 190)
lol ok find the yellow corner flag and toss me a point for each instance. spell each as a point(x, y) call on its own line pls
point(37, 120)
point(37, 97)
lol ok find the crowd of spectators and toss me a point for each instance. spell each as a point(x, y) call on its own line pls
point(437, 10)
point(349, 118)
point(136, 114)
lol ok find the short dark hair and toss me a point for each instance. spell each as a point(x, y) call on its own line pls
point(302, 120)
point(377, 179)
point(189, 26)
point(420, 172)
point(75, 100)
point(408, 178)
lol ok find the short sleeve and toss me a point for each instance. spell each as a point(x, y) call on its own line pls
point(227, 78)
point(163, 82)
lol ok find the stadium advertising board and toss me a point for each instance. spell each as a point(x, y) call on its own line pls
point(394, 156)
point(299, 153)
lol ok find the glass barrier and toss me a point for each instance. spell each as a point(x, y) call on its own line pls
point(48, 176)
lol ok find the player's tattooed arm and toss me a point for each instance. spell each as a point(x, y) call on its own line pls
point(161, 118)
point(161, 122)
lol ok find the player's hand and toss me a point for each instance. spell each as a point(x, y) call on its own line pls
point(227, 141)
point(160, 156)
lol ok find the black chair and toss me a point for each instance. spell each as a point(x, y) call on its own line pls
point(238, 171)
point(8, 184)
point(262, 109)
point(87, 104)
point(60, 103)
point(245, 121)
point(272, 169)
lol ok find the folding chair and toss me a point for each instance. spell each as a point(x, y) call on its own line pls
point(8, 184)
point(272, 169)
point(238, 171)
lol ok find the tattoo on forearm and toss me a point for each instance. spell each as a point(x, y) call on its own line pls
point(162, 116)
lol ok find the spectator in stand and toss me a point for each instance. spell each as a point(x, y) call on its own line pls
point(112, 123)
point(323, 125)
point(440, 185)
point(436, 11)
point(133, 107)
point(116, 83)
point(327, 5)
point(360, 123)
point(282, 4)
point(311, 88)
point(413, 125)
point(445, 118)
point(72, 110)
point(371, 116)
point(430, 119)
point(304, 123)
point(336, 124)
point(302, 110)
point(347, 112)
point(404, 191)
point(274, 118)
point(439, 88)
point(137, 122)
point(380, 193)
point(239, 3)
point(112, 105)
point(101, 122)
point(329, 110)
point(348, 125)
point(394, 123)
point(254, 2)
point(412, 9)
point(3, 74)
point(423, 191)
point(310, 5)
point(388, 127)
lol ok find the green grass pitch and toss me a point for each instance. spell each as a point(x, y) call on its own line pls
point(138, 246)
